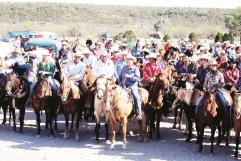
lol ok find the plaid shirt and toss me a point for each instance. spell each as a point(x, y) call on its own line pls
point(213, 80)
point(151, 70)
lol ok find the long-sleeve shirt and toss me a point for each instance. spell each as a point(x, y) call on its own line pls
point(46, 67)
point(180, 67)
point(151, 70)
point(107, 69)
point(75, 70)
point(213, 80)
point(90, 61)
point(134, 76)
point(201, 74)
point(119, 65)
point(231, 76)
point(18, 59)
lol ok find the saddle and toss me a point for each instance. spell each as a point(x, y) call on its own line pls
point(227, 96)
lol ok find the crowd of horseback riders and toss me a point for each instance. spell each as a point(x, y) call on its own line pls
point(119, 80)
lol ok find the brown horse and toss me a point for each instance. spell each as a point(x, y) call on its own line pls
point(70, 97)
point(18, 91)
point(119, 103)
point(207, 115)
point(157, 93)
point(43, 99)
point(237, 120)
point(88, 78)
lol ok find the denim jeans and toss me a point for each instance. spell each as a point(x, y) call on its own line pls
point(136, 96)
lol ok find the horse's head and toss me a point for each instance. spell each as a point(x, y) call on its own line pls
point(43, 89)
point(237, 105)
point(111, 93)
point(209, 103)
point(65, 90)
point(13, 84)
point(101, 86)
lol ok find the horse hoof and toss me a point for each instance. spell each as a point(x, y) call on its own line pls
point(174, 127)
point(211, 154)
point(107, 142)
point(76, 138)
point(145, 140)
point(37, 136)
point(124, 147)
point(188, 140)
point(112, 147)
point(65, 136)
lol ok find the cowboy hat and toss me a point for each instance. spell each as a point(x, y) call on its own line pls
point(125, 52)
point(203, 56)
point(212, 62)
point(232, 61)
point(146, 50)
point(218, 43)
point(78, 53)
point(103, 52)
point(222, 52)
point(16, 50)
point(151, 56)
point(130, 57)
point(193, 59)
point(45, 52)
point(85, 51)
point(64, 43)
point(115, 49)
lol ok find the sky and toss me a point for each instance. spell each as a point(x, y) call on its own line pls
point(161, 3)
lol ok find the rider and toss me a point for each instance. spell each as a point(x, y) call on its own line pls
point(64, 52)
point(47, 66)
point(202, 69)
point(181, 65)
point(121, 62)
point(88, 58)
point(75, 69)
point(104, 66)
point(231, 73)
point(151, 70)
point(130, 76)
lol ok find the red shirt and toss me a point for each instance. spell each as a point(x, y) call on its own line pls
point(151, 70)
point(231, 76)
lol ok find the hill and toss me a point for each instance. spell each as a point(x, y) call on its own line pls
point(91, 20)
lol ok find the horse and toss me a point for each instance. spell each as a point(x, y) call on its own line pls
point(101, 84)
point(237, 120)
point(18, 91)
point(208, 114)
point(4, 99)
point(70, 98)
point(157, 94)
point(119, 103)
point(43, 99)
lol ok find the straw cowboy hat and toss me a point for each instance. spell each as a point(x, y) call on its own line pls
point(212, 62)
point(45, 52)
point(85, 51)
point(193, 59)
point(151, 56)
point(125, 52)
point(218, 43)
point(130, 57)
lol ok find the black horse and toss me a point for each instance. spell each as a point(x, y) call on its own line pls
point(4, 99)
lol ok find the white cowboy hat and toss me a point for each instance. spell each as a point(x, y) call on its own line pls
point(193, 59)
point(64, 43)
point(203, 56)
point(78, 53)
point(17, 50)
point(181, 55)
point(104, 53)
point(190, 45)
point(212, 62)
point(203, 48)
point(45, 52)
point(130, 57)
point(85, 51)
point(151, 55)
point(115, 48)
point(218, 43)
point(146, 50)
point(125, 52)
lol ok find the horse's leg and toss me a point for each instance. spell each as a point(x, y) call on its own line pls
point(10, 115)
point(46, 120)
point(237, 135)
point(77, 126)
point(227, 128)
point(175, 117)
point(72, 122)
point(201, 133)
point(213, 129)
point(97, 128)
point(113, 132)
point(189, 122)
point(180, 118)
point(55, 122)
point(14, 118)
point(37, 113)
point(124, 127)
point(219, 134)
point(106, 131)
point(66, 131)
point(4, 107)
point(146, 126)
point(51, 115)
point(21, 117)
point(140, 130)
point(152, 122)
point(158, 119)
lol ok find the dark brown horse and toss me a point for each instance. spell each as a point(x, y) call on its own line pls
point(18, 91)
point(4, 99)
point(207, 114)
point(70, 98)
point(43, 99)
point(157, 93)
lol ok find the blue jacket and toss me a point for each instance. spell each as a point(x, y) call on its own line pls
point(133, 80)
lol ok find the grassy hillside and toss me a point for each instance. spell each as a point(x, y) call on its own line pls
point(91, 20)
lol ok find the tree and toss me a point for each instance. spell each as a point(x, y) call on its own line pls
point(166, 37)
point(233, 23)
point(192, 37)
point(218, 37)
point(118, 37)
point(228, 37)
point(129, 35)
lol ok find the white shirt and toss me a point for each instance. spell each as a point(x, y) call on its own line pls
point(76, 70)
point(90, 61)
point(107, 69)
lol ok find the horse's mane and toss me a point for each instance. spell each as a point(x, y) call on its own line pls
point(209, 104)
